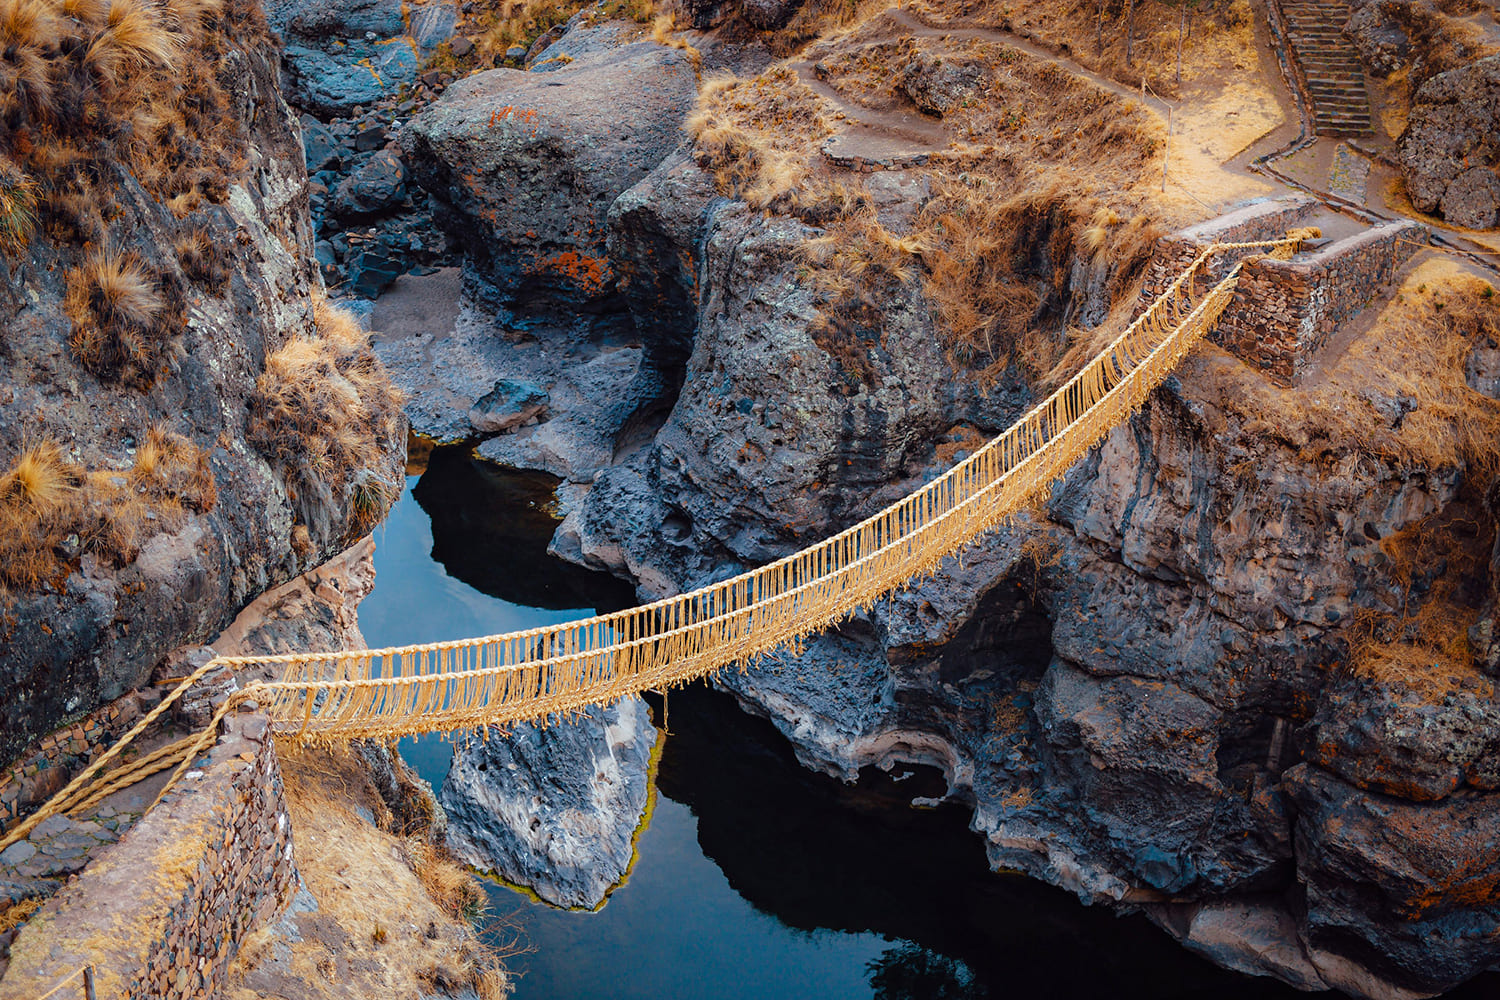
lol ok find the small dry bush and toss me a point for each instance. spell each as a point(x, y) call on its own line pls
point(127, 319)
point(53, 511)
point(758, 137)
point(325, 412)
point(447, 882)
point(17, 207)
point(18, 914)
point(88, 86)
point(203, 261)
point(1441, 569)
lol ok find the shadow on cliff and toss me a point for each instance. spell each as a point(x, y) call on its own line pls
point(815, 853)
point(490, 529)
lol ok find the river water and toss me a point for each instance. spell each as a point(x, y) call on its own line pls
point(755, 878)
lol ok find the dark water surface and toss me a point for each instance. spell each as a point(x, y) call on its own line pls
point(755, 878)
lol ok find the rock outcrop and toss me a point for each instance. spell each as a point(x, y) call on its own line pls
point(525, 167)
point(554, 808)
point(209, 522)
point(1450, 155)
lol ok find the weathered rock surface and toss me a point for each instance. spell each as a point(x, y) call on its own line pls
point(339, 56)
point(525, 166)
point(937, 86)
point(1405, 889)
point(99, 630)
point(1449, 151)
point(554, 808)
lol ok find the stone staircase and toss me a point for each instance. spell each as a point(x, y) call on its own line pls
point(1330, 65)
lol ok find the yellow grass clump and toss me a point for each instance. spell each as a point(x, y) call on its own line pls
point(758, 136)
point(89, 86)
point(127, 318)
point(53, 511)
point(325, 413)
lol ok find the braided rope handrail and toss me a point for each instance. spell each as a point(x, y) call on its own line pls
point(532, 674)
point(560, 669)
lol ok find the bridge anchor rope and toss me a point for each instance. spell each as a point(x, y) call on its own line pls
point(532, 675)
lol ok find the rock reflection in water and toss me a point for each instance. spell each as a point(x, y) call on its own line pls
point(490, 529)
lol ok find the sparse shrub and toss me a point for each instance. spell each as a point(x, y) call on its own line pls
point(127, 321)
point(202, 260)
point(17, 207)
point(448, 883)
point(90, 86)
point(325, 412)
point(52, 510)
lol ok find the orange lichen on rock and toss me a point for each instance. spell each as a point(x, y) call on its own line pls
point(590, 274)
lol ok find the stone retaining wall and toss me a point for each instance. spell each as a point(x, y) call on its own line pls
point(162, 915)
point(38, 775)
point(1284, 312)
point(243, 880)
point(1261, 220)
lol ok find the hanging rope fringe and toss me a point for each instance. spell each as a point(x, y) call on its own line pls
point(559, 670)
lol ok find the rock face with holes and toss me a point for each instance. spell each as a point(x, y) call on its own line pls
point(184, 562)
point(1450, 155)
point(554, 809)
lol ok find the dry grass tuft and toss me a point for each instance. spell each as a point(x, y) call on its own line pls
point(447, 882)
point(325, 413)
point(91, 87)
point(202, 261)
point(758, 137)
point(1441, 568)
point(18, 914)
point(17, 207)
point(127, 320)
point(53, 511)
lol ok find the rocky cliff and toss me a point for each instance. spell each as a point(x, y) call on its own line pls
point(173, 388)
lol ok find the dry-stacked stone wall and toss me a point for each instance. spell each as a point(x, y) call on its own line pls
point(243, 879)
point(1285, 311)
point(163, 913)
point(39, 774)
point(1262, 220)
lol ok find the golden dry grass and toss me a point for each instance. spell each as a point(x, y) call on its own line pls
point(127, 318)
point(1441, 568)
point(1415, 353)
point(18, 914)
point(325, 413)
point(759, 137)
point(86, 85)
point(53, 511)
point(995, 245)
point(389, 937)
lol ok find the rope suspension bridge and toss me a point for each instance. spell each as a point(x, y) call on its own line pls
point(559, 670)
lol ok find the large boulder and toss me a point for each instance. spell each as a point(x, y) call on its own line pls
point(1452, 144)
point(525, 166)
point(554, 808)
point(1408, 891)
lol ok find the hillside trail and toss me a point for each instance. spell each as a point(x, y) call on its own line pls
point(883, 136)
